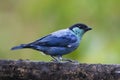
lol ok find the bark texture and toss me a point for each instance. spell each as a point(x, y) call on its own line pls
point(30, 70)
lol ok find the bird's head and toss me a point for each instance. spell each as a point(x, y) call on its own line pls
point(79, 29)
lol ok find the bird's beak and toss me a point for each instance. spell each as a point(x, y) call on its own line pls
point(87, 29)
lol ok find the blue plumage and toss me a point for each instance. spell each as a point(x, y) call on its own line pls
point(58, 43)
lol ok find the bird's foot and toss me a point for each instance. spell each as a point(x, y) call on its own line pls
point(65, 61)
point(55, 60)
point(59, 59)
point(68, 60)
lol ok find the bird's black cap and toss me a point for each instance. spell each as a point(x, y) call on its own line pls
point(81, 26)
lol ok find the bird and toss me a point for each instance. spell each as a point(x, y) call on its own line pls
point(58, 43)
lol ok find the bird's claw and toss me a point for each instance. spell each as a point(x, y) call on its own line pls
point(68, 60)
point(55, 60)
point(64, 60)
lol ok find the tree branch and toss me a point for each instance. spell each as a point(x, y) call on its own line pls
point(29, 70)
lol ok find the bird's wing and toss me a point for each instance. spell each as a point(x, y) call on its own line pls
point(56, 41)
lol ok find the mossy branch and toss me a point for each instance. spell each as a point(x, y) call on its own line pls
point(30, 70)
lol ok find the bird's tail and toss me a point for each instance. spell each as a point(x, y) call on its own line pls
point(19, 47)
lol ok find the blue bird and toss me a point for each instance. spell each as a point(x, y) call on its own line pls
point(58, 43)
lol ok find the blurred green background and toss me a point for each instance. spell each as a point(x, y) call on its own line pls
point(23, 21)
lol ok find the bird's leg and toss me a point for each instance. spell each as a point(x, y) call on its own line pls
point(54, 59)
point(58, 59)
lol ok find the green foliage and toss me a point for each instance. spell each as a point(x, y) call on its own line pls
point(23, 21)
